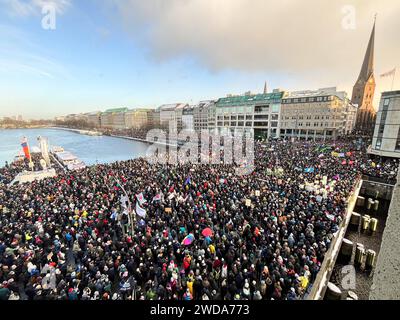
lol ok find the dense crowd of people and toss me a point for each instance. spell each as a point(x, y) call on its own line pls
point(200, 232)
point(132, 133)
point(11, 170)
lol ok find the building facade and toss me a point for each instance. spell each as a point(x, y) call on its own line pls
point(137, 118)
point(386, 139)
point(257, 114)
point(320, 114)
point(200, 115)
point(364, 90)
point(94, 118)
point(212, 117)
point(187, 118)
point(114, 118)
point(153, 116)
point(171, 115)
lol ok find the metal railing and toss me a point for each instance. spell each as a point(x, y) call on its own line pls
point(319, 286)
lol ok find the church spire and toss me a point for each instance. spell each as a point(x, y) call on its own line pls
point(265, 88)
point(364, 90)
point(368, 65)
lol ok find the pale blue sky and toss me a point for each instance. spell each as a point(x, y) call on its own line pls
point(113, 53)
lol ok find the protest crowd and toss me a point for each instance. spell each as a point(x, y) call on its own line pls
point(198, 231)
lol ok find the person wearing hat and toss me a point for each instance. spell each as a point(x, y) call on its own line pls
point(284, 231)
point(4, 291)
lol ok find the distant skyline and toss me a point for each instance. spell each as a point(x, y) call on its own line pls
point(130, 53)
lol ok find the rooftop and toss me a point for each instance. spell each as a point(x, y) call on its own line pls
point(250, 99)
point(116, 110)
point(391, 93)
point(171, 106)
point(140, 110)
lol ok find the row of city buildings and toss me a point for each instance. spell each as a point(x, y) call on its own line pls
point(323, 113)
point(313, 114)
point(318, 114)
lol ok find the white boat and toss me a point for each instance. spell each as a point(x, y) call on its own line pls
point(57, 149)
point(35, 149)
point(67, 159)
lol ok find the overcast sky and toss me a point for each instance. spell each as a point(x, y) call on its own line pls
point(134, 53)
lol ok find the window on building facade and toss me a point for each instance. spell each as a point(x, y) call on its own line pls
point(259, 109)
point(378, 144)
point(275, 108)
point(261, 124)
point(397, 147)
point(383, 116)
point(386, 102)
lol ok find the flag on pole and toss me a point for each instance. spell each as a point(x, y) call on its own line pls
point(123, 200)
point(330, 216)
point(188, 181)
point(389, 73)
point(25, 148)
point(140, 211)
point(157, 197)
point(140, 198)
